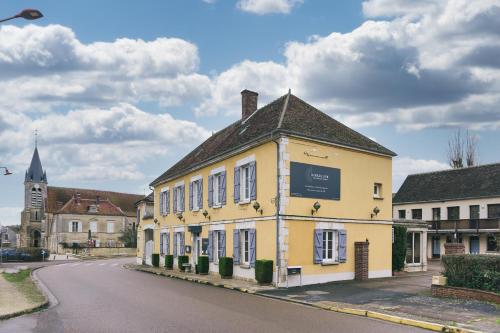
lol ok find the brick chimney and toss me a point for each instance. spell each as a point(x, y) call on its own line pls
point(97, 199)
point(77, 198)
point(248, 103)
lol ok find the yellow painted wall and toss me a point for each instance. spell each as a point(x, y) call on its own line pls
point(301, 247)
point(358, 173)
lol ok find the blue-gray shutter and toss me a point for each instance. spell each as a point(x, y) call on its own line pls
point(222, 242)
point(183, 192)
point(252, 242)
point(253, 181)
point(236, 184)
point(318, 246)
point(161, 203)
point(200, 193)
point(191, 196)
point(210, 191)
point(161, 244)
point(175, 243)
point(167, 245)
point(210, 246)
point(181, 243)
point(222, 187)
point(342, 246)
point(167, 202)
point(236, 246)
point(175, 199)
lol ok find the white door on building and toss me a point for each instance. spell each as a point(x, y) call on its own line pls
point(148, 247)
point(196, 248)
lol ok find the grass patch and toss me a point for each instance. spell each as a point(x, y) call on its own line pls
point(25, 285)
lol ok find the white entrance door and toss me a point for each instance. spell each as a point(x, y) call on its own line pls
point(196, 248)
point(148, 251)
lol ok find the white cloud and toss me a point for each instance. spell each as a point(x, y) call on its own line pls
point(377, 8)
point(404, 166)
point(263, 7)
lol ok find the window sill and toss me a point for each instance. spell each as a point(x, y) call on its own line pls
point(378, 198)
point(245, 266)
point(329, 263)
point(244, 202)
point(217, 206)
point(195, 210)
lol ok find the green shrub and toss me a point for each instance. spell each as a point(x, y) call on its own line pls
point(169, 261)
point(399, 248)
point(156, 259)
point(264, 271)
point(226, 267)
point(203, 264)
point(473, 271)
point(182, 260)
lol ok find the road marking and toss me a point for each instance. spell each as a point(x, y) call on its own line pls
point(102, 264)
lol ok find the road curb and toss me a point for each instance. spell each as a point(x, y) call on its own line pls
point(352, 311)
point(35, 308)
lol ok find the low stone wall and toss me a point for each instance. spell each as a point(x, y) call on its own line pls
point(456, 292)
point(111, 251)
point(454, 248)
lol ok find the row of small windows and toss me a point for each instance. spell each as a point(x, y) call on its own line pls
point(453, 212)
point(245, 190)
point(76, 226)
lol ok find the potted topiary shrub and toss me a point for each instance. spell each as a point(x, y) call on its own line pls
point(226, 267)
point(182, 260)
point(203, 265)
point(264, 271)
point(155, 259)
point(169, 261)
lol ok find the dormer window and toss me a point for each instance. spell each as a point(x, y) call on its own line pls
point(93, 209)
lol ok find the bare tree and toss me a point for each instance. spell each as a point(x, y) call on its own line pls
point(460, 147)
point(471, 150)
point(456, 150)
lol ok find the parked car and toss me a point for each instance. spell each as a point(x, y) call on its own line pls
point(24, 254)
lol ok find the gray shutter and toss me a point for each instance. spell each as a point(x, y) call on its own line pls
point(191, 196)
point(236, 246)
point(222, 242)
point(200, 193)
point(167, 201)
point(80, 227)
point(210, 246)
point(167, 245)
point(70, 226)
point(175, 244)
point(222, 187)
point(253, 181)
point(342, 246)
point(181, 243)
point(210, 191)
point(236, 184)
point(252, 243)
point(318, 246)
point(175, 199)
point(161, 203)
point(161, 243)
point(183, 192)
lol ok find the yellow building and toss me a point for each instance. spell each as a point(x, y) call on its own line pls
point(286, 183)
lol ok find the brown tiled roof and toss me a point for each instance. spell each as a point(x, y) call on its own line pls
point(82, 207)
point(298, 118)
point(59, 197)
point(150, 198)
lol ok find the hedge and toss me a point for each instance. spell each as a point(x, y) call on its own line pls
point(182, 260)
point(203, 265)
point(473, 271)
point(156, 259)
point(399, 248)
point(226, 267)
point(169, 261)
point(264, 271)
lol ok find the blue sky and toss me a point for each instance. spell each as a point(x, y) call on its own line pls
point(119, 91)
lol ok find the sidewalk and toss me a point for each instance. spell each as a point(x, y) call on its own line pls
point(211, 279)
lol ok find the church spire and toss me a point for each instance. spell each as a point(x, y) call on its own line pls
point(35, 172)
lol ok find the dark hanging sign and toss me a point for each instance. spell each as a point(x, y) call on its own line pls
point(314, 181)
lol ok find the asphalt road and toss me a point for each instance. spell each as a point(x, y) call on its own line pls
point(101, 296)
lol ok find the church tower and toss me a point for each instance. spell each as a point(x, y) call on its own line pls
point(35, 196)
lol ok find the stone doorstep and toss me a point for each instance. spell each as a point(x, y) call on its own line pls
point(211, 279)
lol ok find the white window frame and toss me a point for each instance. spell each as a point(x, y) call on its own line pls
point(216, 249)
point(330, 243)
point(245, 247)
point(93, 226)
point(163, 201)
point(377, 190)
point(163, 250)
point(178, 243)
point(245, 183)
point(112, 224)
point(194, 195)
point(215, 190)
point(73, 226)
point(177, 193)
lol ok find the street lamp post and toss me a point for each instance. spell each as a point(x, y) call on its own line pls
point(7, 172)
point(27, 14)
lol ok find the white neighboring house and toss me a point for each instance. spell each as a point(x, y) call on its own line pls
point(459, 205)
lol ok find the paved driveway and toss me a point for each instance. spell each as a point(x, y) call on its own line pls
point(407, 295)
